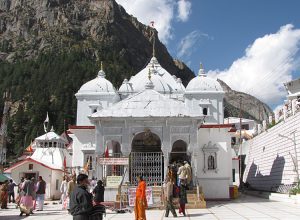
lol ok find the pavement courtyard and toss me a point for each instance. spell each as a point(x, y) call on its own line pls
point(246, 207)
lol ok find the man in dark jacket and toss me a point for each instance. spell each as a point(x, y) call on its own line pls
point(99, 192)
point(81, 204)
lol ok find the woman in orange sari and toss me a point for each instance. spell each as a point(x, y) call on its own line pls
point(140, 200)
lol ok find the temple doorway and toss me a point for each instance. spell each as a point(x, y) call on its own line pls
point(146, 158)
point(179, 152)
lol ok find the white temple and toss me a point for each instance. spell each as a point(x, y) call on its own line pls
point(50, 159)
point(154, 120)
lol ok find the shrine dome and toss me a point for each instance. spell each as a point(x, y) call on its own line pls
point(163, 81)
point(99, 85)
point(203, 84)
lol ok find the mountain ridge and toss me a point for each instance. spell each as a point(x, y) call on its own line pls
point(49, 48)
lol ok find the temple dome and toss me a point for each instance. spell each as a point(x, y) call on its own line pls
point(202, 83)
point(163, 81)
point(99, 85)
point(126, 87)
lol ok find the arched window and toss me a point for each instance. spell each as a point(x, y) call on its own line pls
point(211, 162)
point(210, 157)
point(204, 111)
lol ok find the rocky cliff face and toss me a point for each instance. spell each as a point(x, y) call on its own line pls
point(252, 107)
point(49, 48)
point(31, 27)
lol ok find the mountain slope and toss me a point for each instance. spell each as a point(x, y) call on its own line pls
point(49, 48)
point(252, 107)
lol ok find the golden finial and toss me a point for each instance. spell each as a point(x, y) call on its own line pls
point(149, 74)
point(101, 65)
point(201, 66)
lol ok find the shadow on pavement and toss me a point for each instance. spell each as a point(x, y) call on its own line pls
point(198, 214)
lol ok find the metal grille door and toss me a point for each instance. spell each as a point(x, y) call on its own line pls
point(149, 165)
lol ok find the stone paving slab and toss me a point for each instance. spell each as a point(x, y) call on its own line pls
point(246, 207)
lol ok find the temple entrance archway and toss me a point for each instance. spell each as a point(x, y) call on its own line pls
point(179, 152)
point(146, 158)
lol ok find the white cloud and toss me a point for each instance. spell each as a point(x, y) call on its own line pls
point(159, 11)
point(266, 65)
point(187, 45)
point(184, 10)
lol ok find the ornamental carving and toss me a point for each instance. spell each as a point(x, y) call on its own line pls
point(180, 130)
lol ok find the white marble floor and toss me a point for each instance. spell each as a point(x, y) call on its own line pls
point(246, 207)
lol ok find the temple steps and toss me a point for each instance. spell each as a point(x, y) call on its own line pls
point(194, 201)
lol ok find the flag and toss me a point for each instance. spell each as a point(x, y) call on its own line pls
point(29, 148)
point(106, 154)
point(65, 163)
point(152, 24)
point(46, 123)
point(87, 165)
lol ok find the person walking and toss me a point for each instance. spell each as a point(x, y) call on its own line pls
point(40, 193)
point(182, 198)
point(71, 186)
point(11, 191)
point(4, 195)
point(182, 174)
point(63, 190)
point(93, 184)
point(26, 201)
point(188, 172)
point(81, 203)
point(99, 192)
point(168, 194)
point(140, 200)
point(20, 192)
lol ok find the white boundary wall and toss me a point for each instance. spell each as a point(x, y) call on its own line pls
point(269, 160)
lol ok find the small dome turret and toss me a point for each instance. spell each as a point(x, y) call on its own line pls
point(99, 85)
point(202, 83)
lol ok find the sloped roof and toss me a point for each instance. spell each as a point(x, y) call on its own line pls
point(49, 136)
point(50, 166)
point(148, 103)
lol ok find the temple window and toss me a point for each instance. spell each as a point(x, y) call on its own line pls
point(210, 152)
point(204, 111)
point(211, 162)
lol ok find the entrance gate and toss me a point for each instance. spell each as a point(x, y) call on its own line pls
point(150, 165)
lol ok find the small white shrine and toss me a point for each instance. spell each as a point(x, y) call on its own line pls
point(51, 160)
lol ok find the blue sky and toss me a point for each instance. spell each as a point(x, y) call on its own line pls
point(232, 25)
point(253, 45)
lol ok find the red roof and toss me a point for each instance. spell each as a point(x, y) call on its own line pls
point(232, 130)
point(8, 170)
point(216, 126)
point(81, 127)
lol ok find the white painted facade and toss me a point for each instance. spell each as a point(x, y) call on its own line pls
point(52, 176)
point(155, 101)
